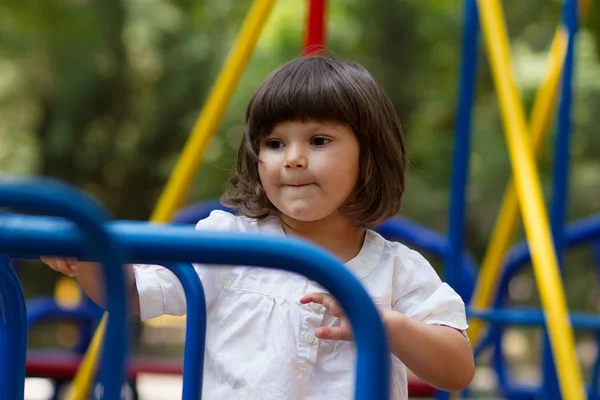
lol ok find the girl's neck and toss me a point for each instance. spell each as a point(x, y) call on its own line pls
point(335, 233)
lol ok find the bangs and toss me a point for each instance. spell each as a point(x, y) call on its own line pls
point(312, 88)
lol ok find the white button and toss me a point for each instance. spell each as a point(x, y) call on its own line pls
point(311, 339)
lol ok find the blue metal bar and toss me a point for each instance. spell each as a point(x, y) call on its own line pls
point(562, 146)
point(577, 234)
point(46, 307)
point(596, 255)
point(462, 149)
point(148, 243)
point(198, 211)
point(13, 333)
point(595, 378)
point(51, 197)
point(462, 144)
point(487, 340)
point(529, 316)
point(195, 330)
point(550, 387)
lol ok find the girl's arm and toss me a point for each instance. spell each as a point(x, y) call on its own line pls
point(439, 355)
point(90, 278)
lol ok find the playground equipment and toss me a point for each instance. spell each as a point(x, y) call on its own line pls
point(500, 263)
point(145, 243)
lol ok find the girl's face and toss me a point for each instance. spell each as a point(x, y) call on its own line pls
point(309, 169)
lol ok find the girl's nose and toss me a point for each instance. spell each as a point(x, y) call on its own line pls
point(295, 160)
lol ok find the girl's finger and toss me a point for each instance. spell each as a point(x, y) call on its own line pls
point(312, 298)
point(51, 262)
point(64, 267)
point(326, 300)
point(332, 333)
point(335, 308)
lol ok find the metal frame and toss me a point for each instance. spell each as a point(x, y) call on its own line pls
point(146, 243)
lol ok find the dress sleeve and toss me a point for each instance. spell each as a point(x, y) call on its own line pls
point(160, 291)
point(419, 293)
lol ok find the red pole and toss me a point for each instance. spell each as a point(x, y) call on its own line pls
point(315, 28)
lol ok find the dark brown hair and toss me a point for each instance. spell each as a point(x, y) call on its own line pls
point(324, 88)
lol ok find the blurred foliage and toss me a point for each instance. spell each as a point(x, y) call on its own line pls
point(103, 94)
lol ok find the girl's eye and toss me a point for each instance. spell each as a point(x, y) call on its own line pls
point(274, 144)
point(320, 141)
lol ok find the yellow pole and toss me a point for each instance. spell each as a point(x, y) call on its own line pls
point(82, 382)
point(213, 111)
point(530, 197)
point(506, 222)
point(188, 163)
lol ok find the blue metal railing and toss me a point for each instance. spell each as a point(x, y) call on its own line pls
point(53, 198)
point(28, 236)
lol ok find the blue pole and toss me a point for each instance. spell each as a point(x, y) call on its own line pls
point(462, 149)
point(550, 388)
point(195, 330)
point(462, 144)
point(13, 333)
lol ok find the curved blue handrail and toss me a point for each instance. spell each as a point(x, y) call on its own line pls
point(41, 308)
point(578, 232)
point(147, 243)
point(49, 197)
point(13, 333)
point(195, 212)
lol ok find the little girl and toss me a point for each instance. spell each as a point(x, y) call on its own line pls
point(322, 158)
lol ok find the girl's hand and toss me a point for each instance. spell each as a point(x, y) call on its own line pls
point(342, 332)
point(66, 266)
